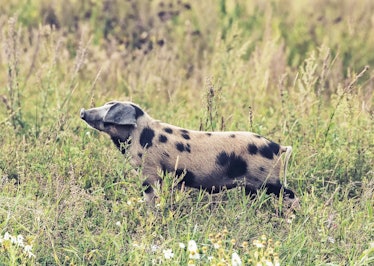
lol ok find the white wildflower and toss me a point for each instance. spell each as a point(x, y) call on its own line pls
point(192, 248)
point(118, 223)
point(154, 248)
point(31, 255)
point(27, 249)
point(210, 258)
point(258, 244)
point(13, 240)
point(235, 259)
point(20, 241)
point(182, 245)
point(7, 236)
point(268, 263)
point(168, 253)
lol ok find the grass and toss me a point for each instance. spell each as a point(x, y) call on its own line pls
point(297, 72)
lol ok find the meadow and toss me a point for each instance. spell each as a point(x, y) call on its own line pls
point(298, 72)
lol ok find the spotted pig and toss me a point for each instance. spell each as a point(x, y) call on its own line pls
point(211, 161)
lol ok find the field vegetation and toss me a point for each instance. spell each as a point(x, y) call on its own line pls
point(298, 72)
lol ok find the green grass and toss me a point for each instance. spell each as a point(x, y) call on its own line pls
point(297, 72)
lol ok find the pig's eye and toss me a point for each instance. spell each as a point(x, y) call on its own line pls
point(106, 125)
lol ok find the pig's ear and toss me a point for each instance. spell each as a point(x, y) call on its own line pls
point(121, 114)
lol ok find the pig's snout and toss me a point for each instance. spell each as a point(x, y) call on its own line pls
point(83, 113)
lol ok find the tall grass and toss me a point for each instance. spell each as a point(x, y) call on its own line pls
point(297, 72)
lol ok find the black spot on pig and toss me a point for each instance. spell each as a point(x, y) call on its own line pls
point(266, 152)
point(222, 158)
point(235, 165)
point(252, 149)
point(188, 178)
point(274, 147)
point(146, 137)
point(164, 169)
point(168, 130)
point(181, 147)
point(208, 134)
point(121, 143)
point(185, 134)
point(232, 136)
point(148, 187)
point(163, 138)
